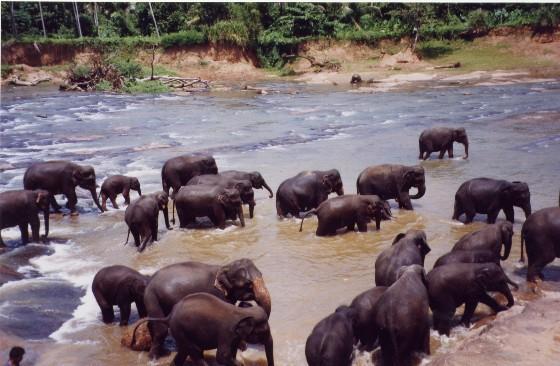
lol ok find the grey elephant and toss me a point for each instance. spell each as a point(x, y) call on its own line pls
point(541, 235)
point(407, 249)
point(347, 211)
point(115, 185)
point(216, 203)
point(468, 256)
point(306, 191)
point(142, 215)
point(21, 208)
point(441, 139)
point(392, 181)
point(363, 304)
point(490, 196)
point(62, 177)
point(201, 322)
point(256, 179)
point(491, 237)
point(177, 171)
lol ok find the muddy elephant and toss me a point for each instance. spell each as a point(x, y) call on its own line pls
point(392, 181)
point(489, 196)
point(347, 211)
point(541, 235)
point(402, 318)
point(239, 280)
point(115, 185)
point(331, 340)
point(468, 256)
point(407, 249)
point(121, 286)
point(62, 177)
point(244, 187)
point(177, 171)
point(21, 208)
point(491, 237)
point(216, 203)
point(363, 304)
point(441, 139)
point(452, 285)
point(255, 178)
point(306, 191)
point(142, 215)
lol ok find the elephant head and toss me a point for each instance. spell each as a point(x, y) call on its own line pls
point(208, 165)
point(135, 185)
point(414, 176)
point(506, 231)
point(517, 193)
point(460, 135)
point(84, 176)
point(333, 182)
point(42, 200)
point(162, 201)
point(241, 280)
point(378, 209)
point(258, 182)
point(246, 192)
point(229, 199)
point(491, 277)
point(137, 288)
point(417, 238)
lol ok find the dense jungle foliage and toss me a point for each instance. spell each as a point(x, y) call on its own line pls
point(271, 29)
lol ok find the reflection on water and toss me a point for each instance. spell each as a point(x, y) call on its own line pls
point(515, 138)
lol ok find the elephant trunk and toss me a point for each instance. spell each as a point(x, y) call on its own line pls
point(139, 192)
point(421, 191)
point(340, 191)
point(466, 144)
point(268, 189)
point(262, 297)
point(166, 216)
point(507, 248)
point(240, 214)
point(95, 199)
point(507, 293)
point(269, 350)
point(46, 219)
point(527, 209)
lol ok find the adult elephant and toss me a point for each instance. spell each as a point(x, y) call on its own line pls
point(21, 208)
point(407, 249)
point(491, 238)
point(306, 191)
point(115, 185)
point(62, 177)
point(452, 285)
point(364, 304)
point(468, 256)
point(239, 280)
point(244, 187)
point(255, 178)
point(392, 181)
point(177, 171)
point(142, 215)
point(489, 196)
point(441, 139)
point(347, 211)
point(541, 235)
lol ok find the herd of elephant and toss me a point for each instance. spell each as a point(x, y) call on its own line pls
point(196, 302)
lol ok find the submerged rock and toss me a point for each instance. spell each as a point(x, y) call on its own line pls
point(142, 341)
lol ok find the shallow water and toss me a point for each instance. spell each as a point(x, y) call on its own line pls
point(514, 132)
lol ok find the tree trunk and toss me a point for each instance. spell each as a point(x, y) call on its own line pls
point(154, 18)
point(153, 60)
point(95, 19)
point(13, 18)
point(42, 20)
point(77, 16)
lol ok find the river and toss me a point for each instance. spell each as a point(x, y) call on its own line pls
point(514, 133)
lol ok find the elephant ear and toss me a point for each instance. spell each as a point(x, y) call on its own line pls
point(327, 181)
point(222, 282)
point(41, 195)
point(222, 198)
point(483, 277)
point(245, 327)
point(398, 237)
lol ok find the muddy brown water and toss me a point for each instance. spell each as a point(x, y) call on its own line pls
point(514, 132)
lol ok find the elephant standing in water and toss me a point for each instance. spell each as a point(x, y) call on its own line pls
point(489, 238)
point(142, 215)
point(364, 305)
point(62, 177)
point(541, 235)
point(115, 185)
point(489, 196)
point(441, 139)
point(255, 178)
point(177, 171)
point(392, 181)
point(22, 208)
point(306, 191)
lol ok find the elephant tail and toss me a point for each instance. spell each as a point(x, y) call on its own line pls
point(163, 320)
point(173, 213)
point(522, 258)
point(304, 215)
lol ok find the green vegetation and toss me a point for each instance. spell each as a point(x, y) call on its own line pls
point(145, 87)
point(6, 70)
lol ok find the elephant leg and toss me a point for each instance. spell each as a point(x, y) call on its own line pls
point(136, 236)
point(72, 199)
point(457, 210)
point(441, 154)
point(488, 300)
point(510, 215)
point(421, 156)
point(34, 223)
point(442, 321)
point(362, 227)
point(470, 307)
point(492, 216)
point(186, 348)
point(24, 233)
point(54, 204)
point(124, 308)
point(536, 265)
point(387, 348)
point(158, 332)
point(427, 156)
point(219, 218)
point(154, 230)
point(450, 152)
point(351, 226)
point(113, 198)
point(251, 210)
point(108, 314)
point(126, 196)
point(142, 313)
point(2, 244)
point(103, 201)
point(404, 201)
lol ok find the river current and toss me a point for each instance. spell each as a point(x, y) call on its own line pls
point(514, 133)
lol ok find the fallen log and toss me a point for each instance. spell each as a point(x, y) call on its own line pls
point(16, 81)
point(449, 66)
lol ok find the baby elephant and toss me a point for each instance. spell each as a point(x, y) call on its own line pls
point(121, 286)
point(441, 139)
point(330, 343)
point(364, 304)
point(202, 322)
point(347, 211)
point(142, 218)
point(115, 185)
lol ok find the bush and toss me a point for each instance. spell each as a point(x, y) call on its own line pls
point(148, 87)
point(546, 19)
point(186, 38)
point(478, 21)
point(80, 71)
point(128, 69)
point(229, 31)
point(6, 70)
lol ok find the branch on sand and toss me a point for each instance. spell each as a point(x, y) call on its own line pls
point(16, 81)
point(319, 66)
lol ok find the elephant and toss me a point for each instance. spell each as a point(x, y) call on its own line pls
point(142, 215)
point(541, 235)
point(255, 178)
point(468, 256)
point(121, 286)
point(452, 285)
point(21, 208)
point(306, 191)
point(202, 321)
point(217, 203)
point(239, 280)
point(392, 181)
point(489, 196)
point(331, 340)
point(364, 304)
point(244, 187)
point(62, 177)
point(347, 211)
point(441, 139)
point(115, 185)
point(401, 317)
point(407, 249)
point(177, 171)
point(490, 238)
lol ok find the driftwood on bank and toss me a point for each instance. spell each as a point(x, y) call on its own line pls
point(181, 83)
point(16, 81)
point(267, 91)
point(449, 66)
point(318, 65)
